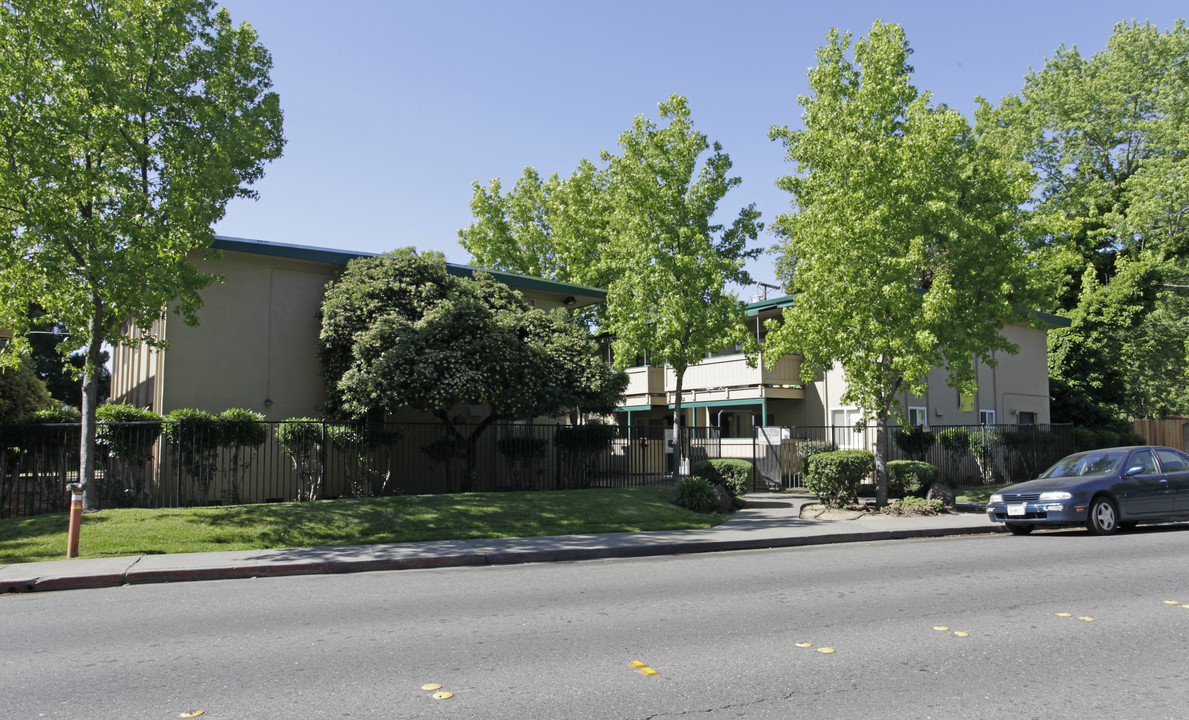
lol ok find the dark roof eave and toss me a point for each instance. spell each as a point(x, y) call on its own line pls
point(582, 294)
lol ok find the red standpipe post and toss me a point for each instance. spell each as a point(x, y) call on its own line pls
point(76, 520)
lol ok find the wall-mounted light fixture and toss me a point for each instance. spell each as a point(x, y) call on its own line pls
point(570, 301)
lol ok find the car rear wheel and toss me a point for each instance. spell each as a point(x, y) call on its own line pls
point(1103, 518)
point(1019, 529)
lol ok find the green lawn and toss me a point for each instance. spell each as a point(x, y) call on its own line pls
point(976, 494)
point(410, 518)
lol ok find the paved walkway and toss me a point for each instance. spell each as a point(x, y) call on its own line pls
point(770, 520)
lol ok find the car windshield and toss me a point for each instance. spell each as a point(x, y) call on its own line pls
point(1089, 463)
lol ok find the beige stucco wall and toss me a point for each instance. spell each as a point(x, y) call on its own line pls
point(256, 344)
point(1019, 383)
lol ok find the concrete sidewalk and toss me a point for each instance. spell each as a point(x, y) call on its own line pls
point(770, 520)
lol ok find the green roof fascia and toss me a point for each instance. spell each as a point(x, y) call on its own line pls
point(342, 257)
point(756, 308)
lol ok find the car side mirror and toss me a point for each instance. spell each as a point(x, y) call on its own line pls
point(1133, 470)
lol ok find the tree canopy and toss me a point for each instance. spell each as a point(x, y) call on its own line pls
point(643, 226)
point(904, 248)
point(1107, 137)
point(401, 331)
point(125, 128)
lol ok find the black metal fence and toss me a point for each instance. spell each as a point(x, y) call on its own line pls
point(965, 454)
point(164, 464)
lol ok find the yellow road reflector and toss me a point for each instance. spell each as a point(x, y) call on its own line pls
point(1087, 619)
point(825, 650)
point(1172, 602)
point(638, 664)
point(804, 644)
point(1064, 614)
point(942, 628)
point(647, 671)
point(195, 713)
point(431, 686)
point(959, 633)
point(443, 695)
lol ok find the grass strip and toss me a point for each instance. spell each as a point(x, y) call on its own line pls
point(410, 518)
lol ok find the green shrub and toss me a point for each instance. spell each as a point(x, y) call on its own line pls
point(834, 477)
point(241, 433)
point(522, 448)
point(914, 441)
point(696, 493)
point(50, 417)
point(194, 435)
point(808, 448)
point(133, 443)
point(914, 506)
point(239, 428)
point(955, 440)
point(125, 438)
point(301, 439)
point(579, 447)
point(1131, 438)
point(734, 475)
point(909, 478)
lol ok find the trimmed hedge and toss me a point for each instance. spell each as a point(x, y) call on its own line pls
point(834, 477)
point(734, 475)
point(910, 478)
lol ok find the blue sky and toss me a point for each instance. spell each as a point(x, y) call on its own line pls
point(393, 108)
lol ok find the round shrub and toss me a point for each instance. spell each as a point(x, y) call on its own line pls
point(695, 493)
point(734, 475)
point(910, 478)
point(240, 428)
point(834, 477)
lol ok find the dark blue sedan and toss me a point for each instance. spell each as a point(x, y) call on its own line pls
point(1102, 489)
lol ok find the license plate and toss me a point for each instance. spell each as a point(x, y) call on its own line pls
point(1016, 509)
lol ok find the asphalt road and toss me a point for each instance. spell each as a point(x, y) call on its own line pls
point(557, 640)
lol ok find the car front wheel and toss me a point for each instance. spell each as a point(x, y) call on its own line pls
point(1103, 518)
point(1019, 529)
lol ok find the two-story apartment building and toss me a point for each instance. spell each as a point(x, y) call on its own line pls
point(723, 391)
point(256, 344)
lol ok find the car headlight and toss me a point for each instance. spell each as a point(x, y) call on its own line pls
point(996, 497)
point(1055, 495)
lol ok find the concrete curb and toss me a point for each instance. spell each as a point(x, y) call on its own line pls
point(114, 572)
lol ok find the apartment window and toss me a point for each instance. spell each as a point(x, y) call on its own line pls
point(843, 420)
point(1027, 418)
point(918, 416)
point(986, 417)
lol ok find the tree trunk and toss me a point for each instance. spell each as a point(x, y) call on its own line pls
point(86, 452)
point(881, 458)
point(677, 426)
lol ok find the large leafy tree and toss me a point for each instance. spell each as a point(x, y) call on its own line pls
point(400, 331)
point(668, 299)
point(554, 228)
point(125, 128)
point(902, 247)
point(643, 226)
point(1108, 139)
